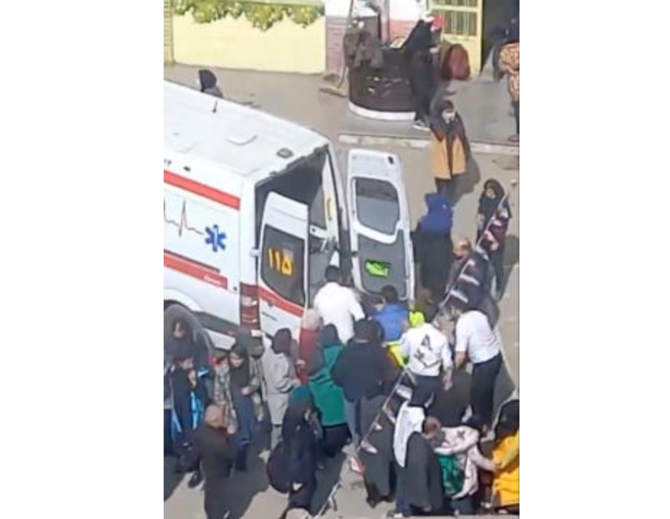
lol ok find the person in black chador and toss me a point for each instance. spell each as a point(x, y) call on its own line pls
point(215, 448)
point(417, 53)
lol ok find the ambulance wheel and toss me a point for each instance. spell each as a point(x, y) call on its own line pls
point(177, 311)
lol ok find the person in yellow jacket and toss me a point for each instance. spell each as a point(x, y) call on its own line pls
point(450, 150)
point(506, 479)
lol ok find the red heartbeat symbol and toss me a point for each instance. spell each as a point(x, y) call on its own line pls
point(182, 223)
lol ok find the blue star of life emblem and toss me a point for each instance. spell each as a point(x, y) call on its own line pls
point(215, 238)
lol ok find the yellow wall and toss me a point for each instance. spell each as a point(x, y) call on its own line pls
point(230, 43)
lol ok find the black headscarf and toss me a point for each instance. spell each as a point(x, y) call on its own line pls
point(294, 420)
point(488, 206)
point(328, 336)
point(448, 132)
point(508, 424)
point(207, 79)
point(281, 343)
point(365, 331)
point(240, 377)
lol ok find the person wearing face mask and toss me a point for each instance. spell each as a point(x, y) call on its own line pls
point(450, 147)
point(493, 218)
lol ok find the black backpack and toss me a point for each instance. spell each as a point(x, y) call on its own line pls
point(277, 468)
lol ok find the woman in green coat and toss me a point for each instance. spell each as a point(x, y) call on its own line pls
point(328, 398)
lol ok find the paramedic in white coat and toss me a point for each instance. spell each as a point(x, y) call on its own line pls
point(427, 350)
point(337, 305)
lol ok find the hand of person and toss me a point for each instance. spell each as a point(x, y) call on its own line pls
point(231, 429)
point(301, 363)
point(246, 391)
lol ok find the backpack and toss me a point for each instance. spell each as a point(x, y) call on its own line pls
point(453, 475)
point(277, 468)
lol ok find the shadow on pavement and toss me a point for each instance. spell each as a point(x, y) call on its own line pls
point(171, 479)
point(326, 480)
point(511, 250)
point(244, 486)
point(466, 183)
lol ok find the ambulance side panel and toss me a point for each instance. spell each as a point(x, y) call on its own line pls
point(201, 227)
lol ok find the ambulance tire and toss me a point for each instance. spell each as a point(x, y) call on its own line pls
point(177, 311)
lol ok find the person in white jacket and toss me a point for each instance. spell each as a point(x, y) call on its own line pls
point(463, 442)
point(280, 380)
point(337, 305)
point(426, 349)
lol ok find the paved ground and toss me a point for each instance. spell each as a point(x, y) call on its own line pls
point(297, 98)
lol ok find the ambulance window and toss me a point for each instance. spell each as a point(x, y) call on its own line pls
point(377, 205)
point(282, 265)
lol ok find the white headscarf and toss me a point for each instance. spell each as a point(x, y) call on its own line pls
point(410, 420)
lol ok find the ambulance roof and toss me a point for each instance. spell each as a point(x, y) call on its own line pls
point(242, 140)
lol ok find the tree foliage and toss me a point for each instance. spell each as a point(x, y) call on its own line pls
point(261, 15)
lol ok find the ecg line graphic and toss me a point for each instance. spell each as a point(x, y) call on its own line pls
point(182, 223)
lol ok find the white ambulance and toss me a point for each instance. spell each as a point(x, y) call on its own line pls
point(254, 210)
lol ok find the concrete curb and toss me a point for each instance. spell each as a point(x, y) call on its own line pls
point(477, 147)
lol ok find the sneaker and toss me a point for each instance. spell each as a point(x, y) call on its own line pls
point(368, 447)
point(420, 125)
point(356, 466)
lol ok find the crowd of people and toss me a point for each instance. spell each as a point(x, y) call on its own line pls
point(374, 380)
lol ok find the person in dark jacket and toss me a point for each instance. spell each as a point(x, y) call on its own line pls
point(215, 449)
point(190, 400)
point(433, 245)
point(379, 475)
point(469, 272)
point(417, 53)
point(361, 370)
point(422, 477)
point(298, 432)
point(493, 218)
point(418, 482)
point(208, 83)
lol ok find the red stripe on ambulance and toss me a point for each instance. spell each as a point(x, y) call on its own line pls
point(280, 302)
point(195, 270)
point(201, 189)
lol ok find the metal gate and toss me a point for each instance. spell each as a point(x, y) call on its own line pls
point(462, 24)
point(168, 50)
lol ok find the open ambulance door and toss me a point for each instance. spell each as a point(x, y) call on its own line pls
point(283, 263)
point(379, 224)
